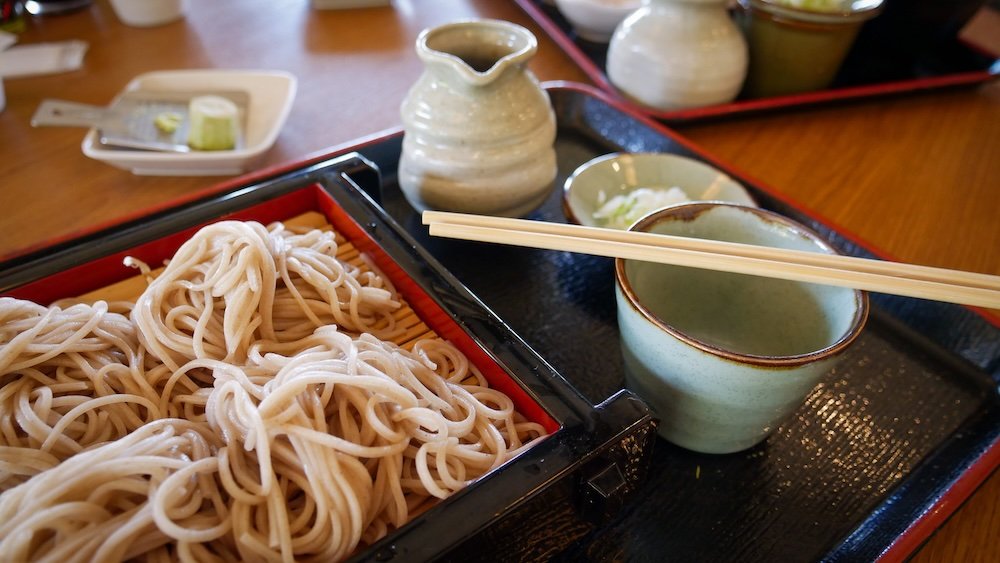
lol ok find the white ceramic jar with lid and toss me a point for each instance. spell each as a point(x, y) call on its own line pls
point(478, 127)
point(676, 54)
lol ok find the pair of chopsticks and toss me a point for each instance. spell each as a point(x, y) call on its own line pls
point(881, 276)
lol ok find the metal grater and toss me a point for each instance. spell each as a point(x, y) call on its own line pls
point(129, 122)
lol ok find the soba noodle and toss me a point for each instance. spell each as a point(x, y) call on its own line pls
point(234, 283)
point(248, 409)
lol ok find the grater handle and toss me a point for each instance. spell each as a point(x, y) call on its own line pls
point(68, 114)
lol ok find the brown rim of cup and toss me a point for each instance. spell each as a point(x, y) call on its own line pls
point(690, 211)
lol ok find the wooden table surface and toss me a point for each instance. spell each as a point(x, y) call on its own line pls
point(917, 176)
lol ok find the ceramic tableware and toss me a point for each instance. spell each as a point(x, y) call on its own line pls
point(799, 46)
point(675, 54)
point(271, 94)
point(596, 184)
point(478, 127)
point(149, 13)
point(724, 358)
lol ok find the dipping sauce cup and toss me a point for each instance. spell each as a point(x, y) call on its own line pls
point(799, 49)
point(723, 358)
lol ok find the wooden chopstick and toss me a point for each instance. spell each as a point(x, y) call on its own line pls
point(910, 280)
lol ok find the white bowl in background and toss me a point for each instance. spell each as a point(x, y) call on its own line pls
point(148, 13)
point(270, 100)
point(596, 20)
point(602, 178)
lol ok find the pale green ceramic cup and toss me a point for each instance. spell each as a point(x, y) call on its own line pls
point(723, 358)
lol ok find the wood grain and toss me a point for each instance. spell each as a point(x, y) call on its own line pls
point(915, 176)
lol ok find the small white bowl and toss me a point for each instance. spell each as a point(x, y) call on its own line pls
point(271, 94)
point(596, 20)
point(601, 179)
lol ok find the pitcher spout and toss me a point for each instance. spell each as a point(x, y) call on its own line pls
point(478, 51)
point(478, 127)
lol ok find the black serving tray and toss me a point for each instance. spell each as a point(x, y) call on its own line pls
point(884, 61)
point(877, 457)
point(536, 504)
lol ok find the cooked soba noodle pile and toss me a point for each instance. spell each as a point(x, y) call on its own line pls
point(237, 283)
point(247, 408)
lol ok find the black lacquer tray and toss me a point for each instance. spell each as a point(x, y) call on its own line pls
point(884, 61)
point(878, 456)
point(863, 470)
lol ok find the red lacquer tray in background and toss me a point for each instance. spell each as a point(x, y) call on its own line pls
point(883, 73)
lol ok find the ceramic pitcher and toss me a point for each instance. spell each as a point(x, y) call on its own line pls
point(478, 127)
point(675, 54)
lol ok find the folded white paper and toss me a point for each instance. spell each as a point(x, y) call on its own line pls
point(7, 39)
point(42, 58)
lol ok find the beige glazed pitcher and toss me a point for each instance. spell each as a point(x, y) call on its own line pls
point(478, 127)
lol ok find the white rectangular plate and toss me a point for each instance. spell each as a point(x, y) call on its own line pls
point(271, 96)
